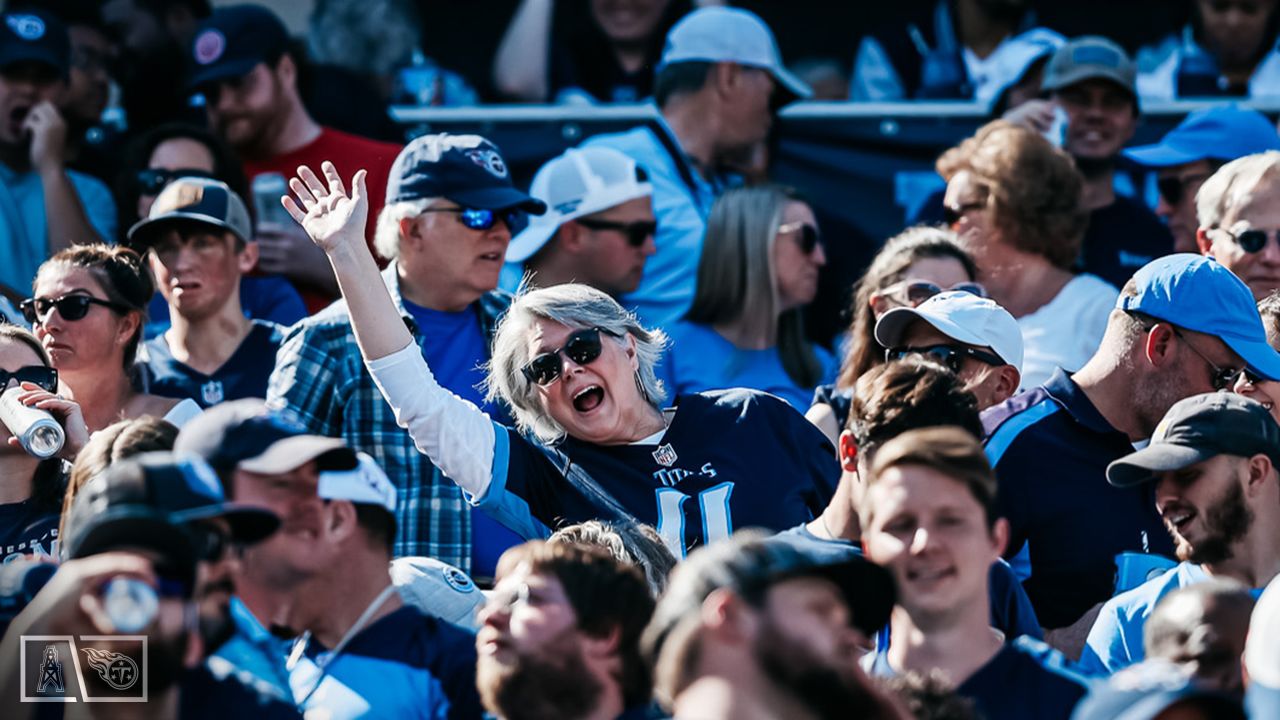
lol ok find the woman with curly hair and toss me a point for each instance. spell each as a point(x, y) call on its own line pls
point(1015, 202)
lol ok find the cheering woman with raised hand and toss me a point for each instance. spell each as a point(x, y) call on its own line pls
point(592, 437)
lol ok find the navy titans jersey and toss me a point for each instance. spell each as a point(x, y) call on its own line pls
point(243, 375)
point(729, 459)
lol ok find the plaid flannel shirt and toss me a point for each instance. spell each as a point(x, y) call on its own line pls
point(321, 377)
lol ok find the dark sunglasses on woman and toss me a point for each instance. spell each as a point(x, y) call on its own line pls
point(479, 218)
point(914, 292)
point(635, 232)
point(809, 238)
point(70, 307)
point(152, 180)
point(582, 347)
point(45, 377)
point(1251, 240)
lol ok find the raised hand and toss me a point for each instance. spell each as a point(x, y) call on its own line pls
point(332, 219)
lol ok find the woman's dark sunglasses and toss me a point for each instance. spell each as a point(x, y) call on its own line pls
point(152, 180)
point(45, 377)
point(917, 291)
point(70, 307)
point(809, 238)
point(950, 355)
point(481, 219)
point(635, 232)
point(1251, 241)
point(582, 347)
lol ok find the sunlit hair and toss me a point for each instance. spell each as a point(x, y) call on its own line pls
point(121, 274)
point(111, 444)
point(908, 394)
point(1032, 187)
point(633, 543)
point(890, 265)
point(736, 275)
point(575, 306)
point(386, 236)
point(1269, 309)
point(1233, 185)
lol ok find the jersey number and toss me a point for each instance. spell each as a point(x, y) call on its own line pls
point(713, 504)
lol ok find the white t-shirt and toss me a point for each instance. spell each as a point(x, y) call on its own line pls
point(1067, 330)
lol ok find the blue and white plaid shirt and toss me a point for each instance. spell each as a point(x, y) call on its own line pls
point(320, 376)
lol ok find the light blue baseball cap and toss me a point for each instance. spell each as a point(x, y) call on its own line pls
point(722, 34)
point(1197, 293)
point(1222, 132)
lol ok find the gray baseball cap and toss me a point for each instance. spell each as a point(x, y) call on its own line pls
point(1196, 429)
point(196, 199)
point(1089, 57)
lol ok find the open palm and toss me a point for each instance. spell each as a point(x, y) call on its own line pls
point(331, 218)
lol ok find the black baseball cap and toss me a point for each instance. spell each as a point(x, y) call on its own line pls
point(1196, 429)
point(203, 200)
point(232, 41)
point(34, 36)
point(466, 169)
point(749, 563)
point(246, 434)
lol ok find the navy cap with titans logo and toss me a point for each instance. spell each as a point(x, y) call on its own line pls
point(466, 169)
point(232, 41)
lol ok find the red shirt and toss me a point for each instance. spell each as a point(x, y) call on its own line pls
point(348, 153)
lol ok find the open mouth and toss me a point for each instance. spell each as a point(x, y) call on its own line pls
point(493, 257)
point(1178, 520)
point(930, 575)
point(588, 398)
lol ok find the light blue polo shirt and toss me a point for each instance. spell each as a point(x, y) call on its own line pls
point(24, 230)
point(682, 200)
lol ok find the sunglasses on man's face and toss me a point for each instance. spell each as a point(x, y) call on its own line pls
point(479, 218)
point(152, 180)
point(70, 307)
point(808, 236)
point(635, 232)
point(582, 347)
point(212, 544)
point(952, 356)
point(1173, 189)
point(1252, 240)
point(45, 377)
point(914, 292)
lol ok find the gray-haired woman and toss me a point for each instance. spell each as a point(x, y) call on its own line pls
point(592, 440)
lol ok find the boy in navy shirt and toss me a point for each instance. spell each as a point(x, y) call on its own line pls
point(198, 236)
point(928, 515)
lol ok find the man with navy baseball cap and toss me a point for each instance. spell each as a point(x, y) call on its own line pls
point(48, 207)
point(1191, 152)
point(718, 87)
point(1183, 325)
point(1212, 465)
point(446, 228)
point(239, 60)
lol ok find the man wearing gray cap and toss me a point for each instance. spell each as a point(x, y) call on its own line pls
point(718, 86)
point(1213, 459)
point(751, 628)
point(199, 241)
point(1091, 82)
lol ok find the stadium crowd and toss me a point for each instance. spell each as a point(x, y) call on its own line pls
point(343, 424)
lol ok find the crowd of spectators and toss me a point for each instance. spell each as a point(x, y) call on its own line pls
point(343, 423)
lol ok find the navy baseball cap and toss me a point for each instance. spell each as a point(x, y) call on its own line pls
point(751, 561)
point(1198, 293)
point(193, 198)
point(231, 41)
point(1196, 429)
point(246, 434)
point(1221, 132)
point(33, 36)
point(466, 169)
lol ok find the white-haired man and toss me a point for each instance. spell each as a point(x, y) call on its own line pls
point(1239, 211)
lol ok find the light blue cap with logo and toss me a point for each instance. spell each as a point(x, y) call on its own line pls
point(722, 34)
point(1221, 132)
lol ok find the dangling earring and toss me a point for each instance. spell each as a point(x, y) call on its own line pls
point(640, 387)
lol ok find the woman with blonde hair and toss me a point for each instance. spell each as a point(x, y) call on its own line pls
point(759, 269)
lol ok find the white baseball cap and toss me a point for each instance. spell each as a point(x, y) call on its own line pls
point(961, 316)
point(365, 483)
point(580, 182)
point(722, 34)
point(437, 588)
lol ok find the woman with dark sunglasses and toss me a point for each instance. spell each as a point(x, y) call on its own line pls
point(911, 267)
point(88, 309)
point(759, 269)
point(593, 440)
point(31, 488)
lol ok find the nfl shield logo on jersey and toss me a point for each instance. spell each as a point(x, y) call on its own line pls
point(665, 455)
point(211, 392)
